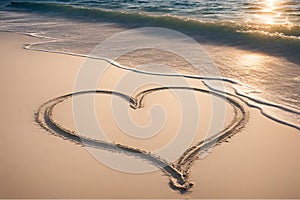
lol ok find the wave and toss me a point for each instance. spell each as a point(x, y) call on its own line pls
point(171, 21)
point(282, 40)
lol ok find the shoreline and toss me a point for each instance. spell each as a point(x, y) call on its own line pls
point(36, 68)
point(242, 96)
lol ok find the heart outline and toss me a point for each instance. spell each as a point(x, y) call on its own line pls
point(178, 171)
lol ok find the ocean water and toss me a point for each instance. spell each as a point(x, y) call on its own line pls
point(255, 43)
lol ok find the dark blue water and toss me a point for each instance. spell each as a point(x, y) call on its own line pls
point(249, 11)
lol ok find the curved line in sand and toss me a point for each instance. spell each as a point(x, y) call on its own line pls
point(178, 172)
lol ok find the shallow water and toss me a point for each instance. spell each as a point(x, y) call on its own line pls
point(254, 42)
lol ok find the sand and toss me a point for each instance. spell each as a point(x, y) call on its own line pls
point(261, 161)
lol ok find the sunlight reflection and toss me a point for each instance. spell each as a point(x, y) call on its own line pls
point(270, 4)
point(271, 13)
point(252, 60)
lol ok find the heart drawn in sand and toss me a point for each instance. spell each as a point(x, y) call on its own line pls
point(178, 171)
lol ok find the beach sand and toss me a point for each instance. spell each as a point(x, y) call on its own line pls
point(261, 161)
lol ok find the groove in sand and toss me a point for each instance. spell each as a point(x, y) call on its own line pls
point(178, 172)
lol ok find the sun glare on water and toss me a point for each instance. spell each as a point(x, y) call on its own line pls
point(271, 13)
point(270, 3)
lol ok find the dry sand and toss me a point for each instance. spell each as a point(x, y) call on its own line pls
point(262, 161)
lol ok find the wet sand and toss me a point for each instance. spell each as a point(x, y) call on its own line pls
point(260, 161)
